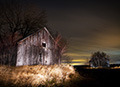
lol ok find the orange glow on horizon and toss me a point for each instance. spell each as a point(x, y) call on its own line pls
point(75, 64)
point(79, 60)
point(77, 54)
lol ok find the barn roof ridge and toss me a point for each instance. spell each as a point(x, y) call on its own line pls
point(48, 33)
point(44, 28)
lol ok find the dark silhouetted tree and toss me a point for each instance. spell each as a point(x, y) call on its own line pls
point(17, 20)
point(99, 59)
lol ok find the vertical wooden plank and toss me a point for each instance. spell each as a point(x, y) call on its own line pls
point(19, 55)
point(27, 54)
point(32, 57)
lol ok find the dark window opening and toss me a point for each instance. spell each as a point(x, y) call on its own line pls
point(44, 44)
point(40, 57)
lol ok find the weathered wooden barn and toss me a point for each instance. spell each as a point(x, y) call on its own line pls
point(38, 48)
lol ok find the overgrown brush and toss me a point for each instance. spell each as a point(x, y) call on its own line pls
point(39, 75)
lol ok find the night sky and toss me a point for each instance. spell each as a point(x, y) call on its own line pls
point(89, 26)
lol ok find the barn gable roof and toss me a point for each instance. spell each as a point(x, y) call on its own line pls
point(44, 28)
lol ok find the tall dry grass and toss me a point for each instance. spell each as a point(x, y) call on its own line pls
point(39, 75)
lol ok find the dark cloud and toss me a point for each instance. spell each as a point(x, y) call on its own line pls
point(91, 26)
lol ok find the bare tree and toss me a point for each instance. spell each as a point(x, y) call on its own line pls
point(62, 43)
point(24, 19)
point(99, 59)
point(17, 21)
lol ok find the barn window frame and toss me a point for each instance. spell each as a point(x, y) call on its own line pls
point(44, 44)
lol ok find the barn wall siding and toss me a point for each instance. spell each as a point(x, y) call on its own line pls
point(38, 48)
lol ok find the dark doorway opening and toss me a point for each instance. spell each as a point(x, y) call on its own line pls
point(40, 57)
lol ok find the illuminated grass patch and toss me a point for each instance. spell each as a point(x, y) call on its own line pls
point(38, 75)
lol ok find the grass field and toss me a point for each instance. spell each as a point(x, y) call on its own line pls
point(39, 76)
point(57, 76)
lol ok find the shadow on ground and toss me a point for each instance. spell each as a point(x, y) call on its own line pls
point(99, 77)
